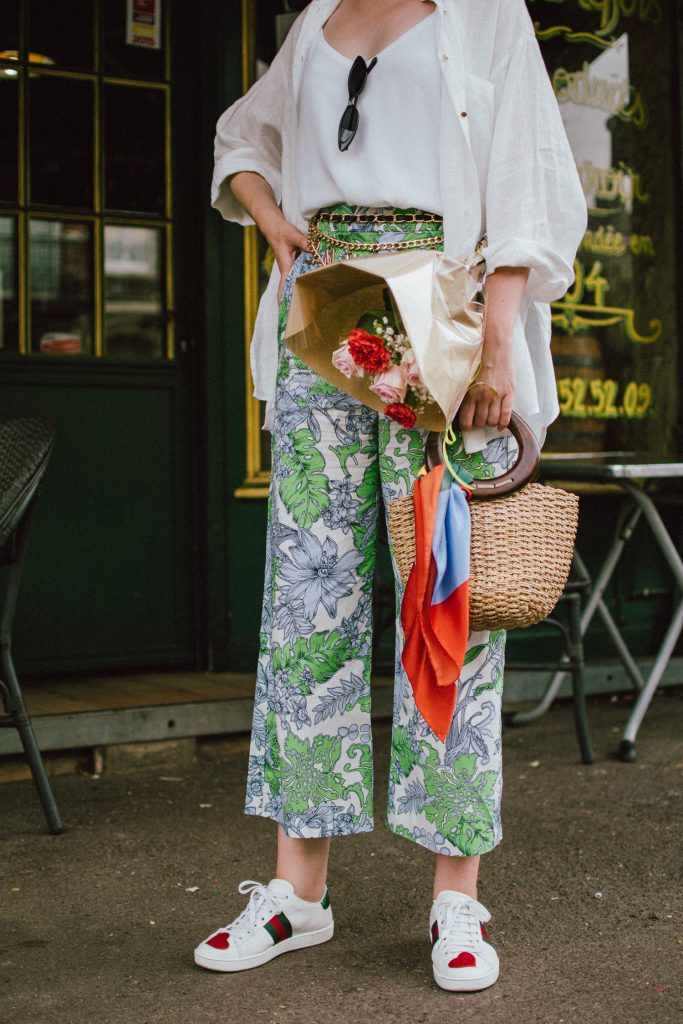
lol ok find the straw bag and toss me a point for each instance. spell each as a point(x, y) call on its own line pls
point(522, 538)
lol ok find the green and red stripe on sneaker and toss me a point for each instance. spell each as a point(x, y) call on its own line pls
point(279, 928)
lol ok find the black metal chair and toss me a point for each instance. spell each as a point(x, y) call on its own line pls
point(572, 661)
point(25, 447)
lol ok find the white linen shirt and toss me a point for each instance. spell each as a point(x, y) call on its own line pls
point(505, 164)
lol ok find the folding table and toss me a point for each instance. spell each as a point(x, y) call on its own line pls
point(640, 477)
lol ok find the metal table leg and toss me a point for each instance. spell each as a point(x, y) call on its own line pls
point(627, 747)
point(626, 524)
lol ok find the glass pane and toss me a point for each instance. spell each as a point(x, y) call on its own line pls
point(61, 137)
point(119, 57)
point(9, 119)
point(9, 28)
point(62, 32)
point(614, 334)
point(135, 300)
point(9, 307)
point(61, 286)
point(134, 157)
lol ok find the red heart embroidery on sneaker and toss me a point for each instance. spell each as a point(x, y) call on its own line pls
point(219, 941)
point(464, 960)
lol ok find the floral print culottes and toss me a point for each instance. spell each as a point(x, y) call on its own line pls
point(310, 764)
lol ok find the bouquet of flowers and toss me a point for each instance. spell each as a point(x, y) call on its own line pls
point(411, 360)
point(378, 347)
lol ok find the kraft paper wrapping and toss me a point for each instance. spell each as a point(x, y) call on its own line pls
point(435, 296)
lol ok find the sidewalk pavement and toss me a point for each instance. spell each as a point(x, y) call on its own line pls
point(98, 925)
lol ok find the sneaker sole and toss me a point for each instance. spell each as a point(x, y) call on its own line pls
point(286, 946)
point(466, 984)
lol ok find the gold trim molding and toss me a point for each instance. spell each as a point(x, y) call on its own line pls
point(257, 479)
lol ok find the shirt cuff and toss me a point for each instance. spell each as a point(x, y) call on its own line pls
point(222, 197)
point(550, 275)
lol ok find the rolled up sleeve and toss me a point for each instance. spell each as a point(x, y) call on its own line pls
point(535, 208)
point(249, 136)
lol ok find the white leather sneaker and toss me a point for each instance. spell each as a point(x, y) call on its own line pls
point(462, 953)
point(274, 921)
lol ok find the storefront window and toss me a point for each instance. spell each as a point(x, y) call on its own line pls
point(9, 119)
point(51, 35)
point(9, 309)
point(127, 61)
point(62, 141)
point(61, 286)
point(9, 27)
point(86, 225)
point(134, 292)
point(134, 134)
point(614, 333)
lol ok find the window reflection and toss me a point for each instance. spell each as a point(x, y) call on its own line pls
point(9, 327)
point(9, 25)
point(121, 59)
point(61, 137)
point(61, 267)
point(615, 337)
point(51, 32)
point(135, 321)
point(134, 140)
point(9, 119)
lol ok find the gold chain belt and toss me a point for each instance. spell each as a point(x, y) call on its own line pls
point(315, 235)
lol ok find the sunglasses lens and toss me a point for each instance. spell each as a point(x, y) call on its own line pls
point(357, 76)
point(348, 126)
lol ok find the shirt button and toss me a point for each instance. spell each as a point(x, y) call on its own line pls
point(463, 113)
point(444, 56)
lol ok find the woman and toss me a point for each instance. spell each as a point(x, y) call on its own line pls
point(458, 135)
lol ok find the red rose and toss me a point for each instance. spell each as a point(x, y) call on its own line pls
point(402, 413)
point(368, 351)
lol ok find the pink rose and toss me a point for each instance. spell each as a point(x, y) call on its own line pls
point(411, 370)
point(342, 360)
point(391, 385)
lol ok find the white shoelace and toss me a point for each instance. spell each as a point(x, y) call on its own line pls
point(460, 925)
point(260, 908)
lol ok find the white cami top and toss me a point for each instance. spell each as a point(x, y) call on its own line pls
point(394, 158)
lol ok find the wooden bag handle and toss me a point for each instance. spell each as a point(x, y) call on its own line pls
point(525, 467)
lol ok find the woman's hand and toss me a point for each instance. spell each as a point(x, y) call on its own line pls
point(286, 241)
point(488, 401)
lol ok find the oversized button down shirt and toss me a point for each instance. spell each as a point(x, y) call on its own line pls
point(505, 164)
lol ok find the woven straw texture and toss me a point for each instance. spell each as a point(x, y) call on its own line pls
point(520, 556)
point(25, 446)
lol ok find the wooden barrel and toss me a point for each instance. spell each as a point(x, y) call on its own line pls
point(577, 359)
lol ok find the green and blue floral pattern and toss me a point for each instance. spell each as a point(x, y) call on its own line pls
point(311, 765)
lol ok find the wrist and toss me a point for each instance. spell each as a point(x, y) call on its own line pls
point(270, 221)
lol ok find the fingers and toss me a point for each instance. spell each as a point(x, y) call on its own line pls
point(505, 412)
point(485, 411)
point(295, 239)
point(466, 413)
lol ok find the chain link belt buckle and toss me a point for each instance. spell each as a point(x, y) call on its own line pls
point(316, 236)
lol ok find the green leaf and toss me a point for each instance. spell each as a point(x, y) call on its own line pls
point(323, 387)
point(273, 762)
point(344, 452)
point(321, 654)
point(402, 750)
point(465, 766)
point(474, 835)
point(326, 751)
point(305, 491)
point(474, 652)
